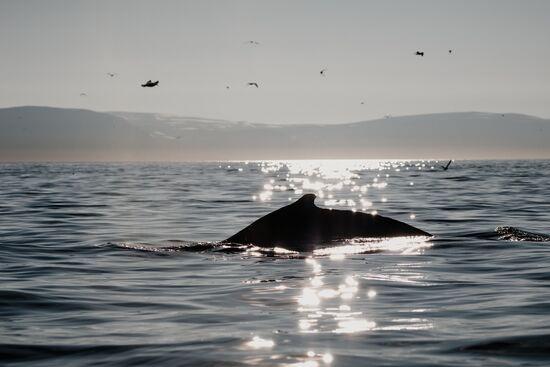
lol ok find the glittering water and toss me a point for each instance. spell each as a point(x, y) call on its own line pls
point(116, 264)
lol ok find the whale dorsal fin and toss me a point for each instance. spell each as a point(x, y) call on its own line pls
point(307, 200)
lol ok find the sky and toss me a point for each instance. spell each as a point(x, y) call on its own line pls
point(52, 51)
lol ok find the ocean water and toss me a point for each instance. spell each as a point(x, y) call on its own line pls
point(117, 264)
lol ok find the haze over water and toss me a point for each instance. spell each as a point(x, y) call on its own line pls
point(116, 264)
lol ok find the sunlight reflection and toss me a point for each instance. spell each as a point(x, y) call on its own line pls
point(305, 364)
point(354, 326)
point(309, 298)
point(312, 359)
point(317, 281)
point(408, 324)
point(400, 273)
point(334, 298)
point(306, 325)
point(327, 177)
point(328, 293)
point(258, 342)
point(315, 264)
point(346, 295)
point(404, 245)
point(337, 256)
point(328, 358)
point(351, 281)
point(265, 195)
point(334, 169)
point(321, 176)
point(280, 250)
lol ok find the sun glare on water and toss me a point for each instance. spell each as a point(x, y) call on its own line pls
point(335, 302)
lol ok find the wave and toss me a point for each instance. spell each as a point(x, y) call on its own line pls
point(179, 245)
point(501, 233)
point(354, 246)
point(524, 345)
point(173, 246)
point(516, 234)
point(17, 353)
point(13, 302)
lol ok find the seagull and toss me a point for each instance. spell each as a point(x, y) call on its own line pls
point(253, 42)
point(112, 74)
point(420, 53)
point(322, 72)
point(252, 84)
point(150, 84)
point(447, 166)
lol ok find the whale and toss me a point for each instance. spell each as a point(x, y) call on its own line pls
point(301, 226)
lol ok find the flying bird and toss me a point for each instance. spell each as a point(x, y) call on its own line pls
point(112, 74)
point(83, 95)
point(253, 84)
point(420, 53)
point(450, 51)
point(447, 166)
point(322, 72)
point(150, 84)
point(253, 42)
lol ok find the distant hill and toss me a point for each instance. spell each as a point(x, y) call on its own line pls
point(45, 133)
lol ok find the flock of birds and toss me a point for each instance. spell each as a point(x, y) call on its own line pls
point(151, 84)
point(322, 73)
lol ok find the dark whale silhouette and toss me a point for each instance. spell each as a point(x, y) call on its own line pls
point(302, 225)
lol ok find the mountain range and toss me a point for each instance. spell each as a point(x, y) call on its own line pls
point(31, 133)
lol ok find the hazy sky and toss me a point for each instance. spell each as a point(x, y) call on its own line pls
point(54, 50)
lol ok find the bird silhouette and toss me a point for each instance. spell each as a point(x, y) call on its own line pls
point(450, 51)
point(253, 84)
point(252, 42)
point(420, 53)
point(447, 166)
point(112, 74)
point(83, 95)
point(322, 72)
point(150, 84)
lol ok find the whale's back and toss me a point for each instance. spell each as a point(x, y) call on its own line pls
point(301, 225)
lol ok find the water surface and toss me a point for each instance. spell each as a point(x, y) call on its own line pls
point(117, 264)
